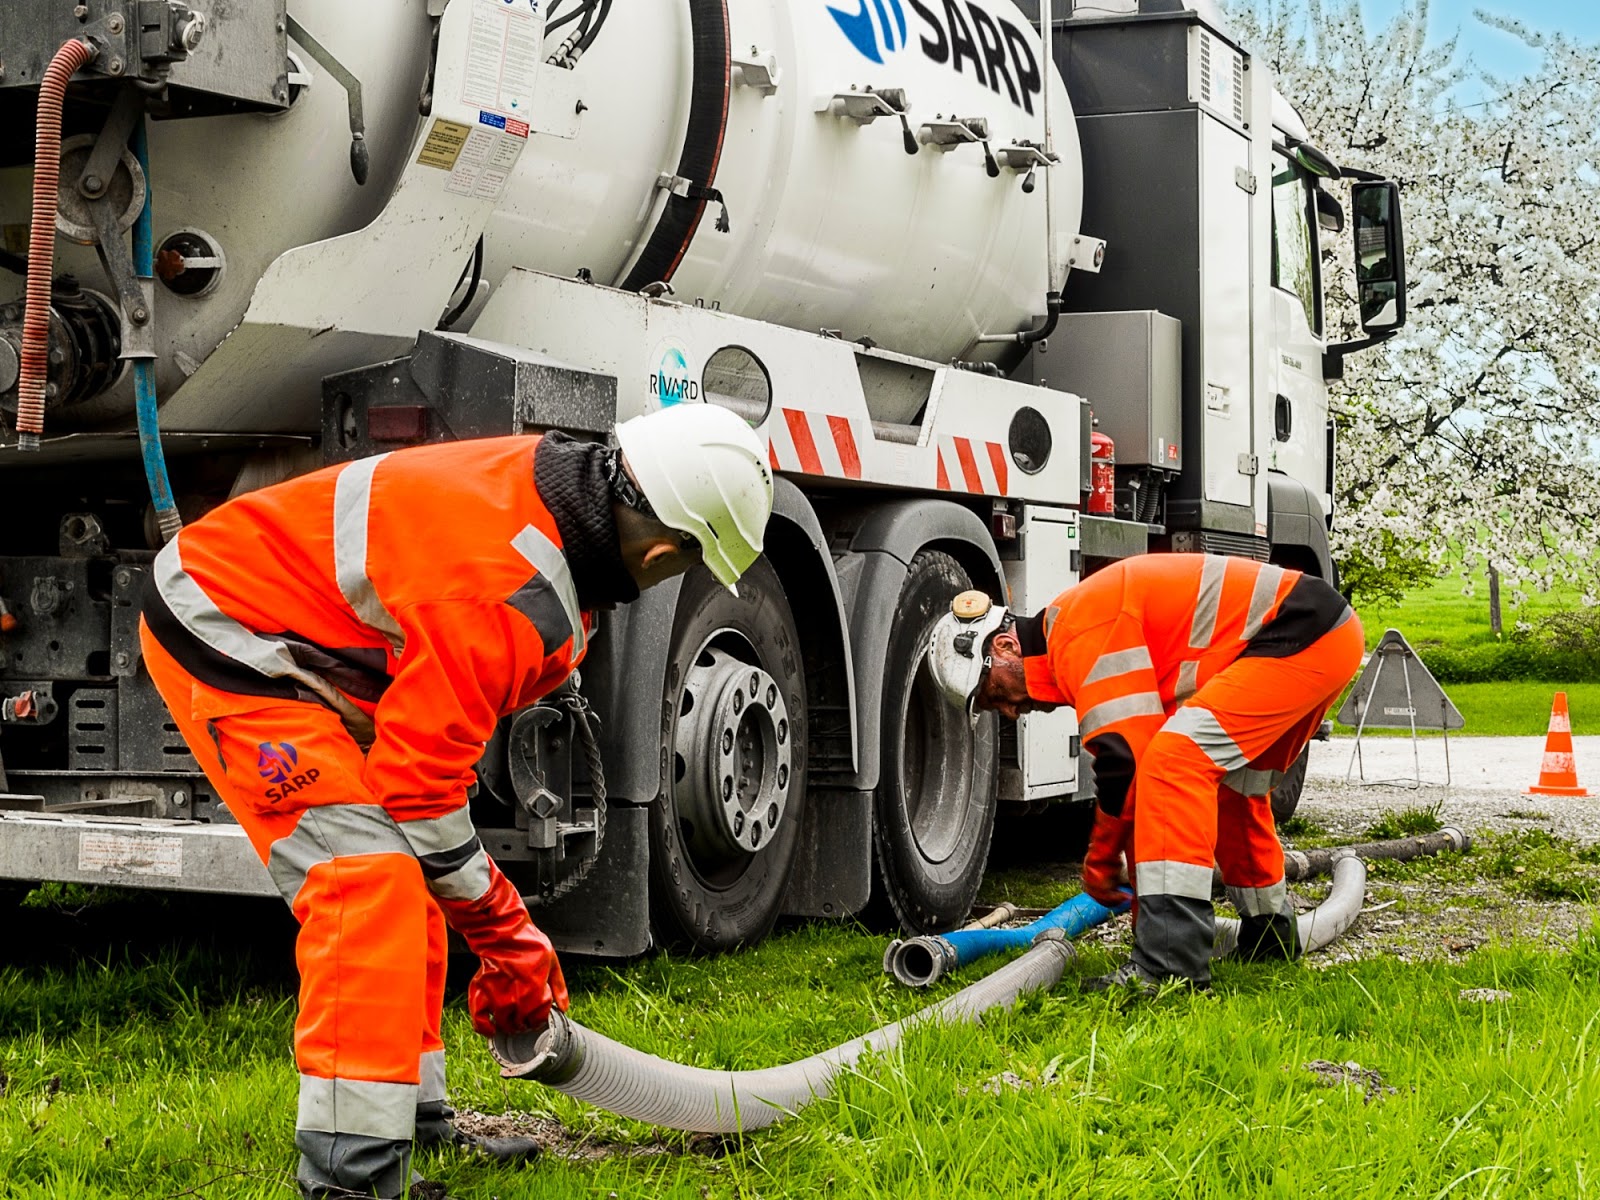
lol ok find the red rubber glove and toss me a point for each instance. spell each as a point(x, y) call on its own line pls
point(518, 979)
point(1105, 876)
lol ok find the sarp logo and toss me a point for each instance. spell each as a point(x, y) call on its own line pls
point(877, 28)
point(960, 35)
point(277, 761)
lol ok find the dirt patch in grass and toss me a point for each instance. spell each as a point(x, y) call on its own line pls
point(578, 1146)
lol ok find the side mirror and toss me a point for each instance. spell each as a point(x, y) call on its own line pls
point(1380, 255)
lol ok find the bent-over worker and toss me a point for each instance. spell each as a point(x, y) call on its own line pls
point(1198, 681)
point(337, 650)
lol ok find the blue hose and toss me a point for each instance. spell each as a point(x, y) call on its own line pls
point(919, 961)
point(144, 369)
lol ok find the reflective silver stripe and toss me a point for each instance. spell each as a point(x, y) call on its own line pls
point(1165, 877)
point(201, 617)
point(1138, 704)
point(1348, 615)
point(1249, 782)
point(436, 835)
point(327, 832)
point(1262, 597)
point(352, 502)
point(544, 557)
point(1188, 680)
point(1050, 615)
point(1208, 603)
point(1261, 901)
point(467, 882)
point(363, 1106)
point(1119, 662)
point(431, 1069)
point(1201, 727)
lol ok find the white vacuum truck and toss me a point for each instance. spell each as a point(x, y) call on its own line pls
point(933, 252)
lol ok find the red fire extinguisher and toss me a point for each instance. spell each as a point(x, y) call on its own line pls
point(1102, 473)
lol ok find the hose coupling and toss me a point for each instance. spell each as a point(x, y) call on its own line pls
point(550, 1054)
point(921, 961)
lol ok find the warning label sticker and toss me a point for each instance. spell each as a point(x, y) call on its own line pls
point(443, 144)
point(130, 854)
point(485, 163)
point(504, 47)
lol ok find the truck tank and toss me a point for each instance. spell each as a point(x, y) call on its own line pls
point(867, 166)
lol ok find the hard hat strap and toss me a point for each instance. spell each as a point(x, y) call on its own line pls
point(623, 488)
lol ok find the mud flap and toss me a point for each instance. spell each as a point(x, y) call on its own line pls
point(833, 863)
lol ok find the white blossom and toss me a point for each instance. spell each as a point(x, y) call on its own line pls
point(1470, 437)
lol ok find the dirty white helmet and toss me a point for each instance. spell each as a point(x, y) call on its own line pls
point(703, 472)
point(955, 648)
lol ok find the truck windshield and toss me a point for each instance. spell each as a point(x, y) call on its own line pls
point(1294, 254)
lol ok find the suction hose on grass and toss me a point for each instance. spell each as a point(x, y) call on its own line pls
point(589, 1066)
point(923, 961)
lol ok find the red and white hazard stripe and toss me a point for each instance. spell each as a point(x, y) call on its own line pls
point(970, 465)
point(814, 443)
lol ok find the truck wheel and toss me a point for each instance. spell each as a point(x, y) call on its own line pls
point(935, 804)
point(724, 830)
point(1286, 796)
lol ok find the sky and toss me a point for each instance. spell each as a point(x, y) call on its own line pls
point(1490, 48)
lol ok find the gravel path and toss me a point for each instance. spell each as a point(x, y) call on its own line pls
point(1489, 776)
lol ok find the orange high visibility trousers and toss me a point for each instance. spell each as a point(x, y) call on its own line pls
point(1201, 795)
point(371, 950)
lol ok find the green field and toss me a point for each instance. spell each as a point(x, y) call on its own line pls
point(1440, 615)
point(1514, 707)
point(145, 1050)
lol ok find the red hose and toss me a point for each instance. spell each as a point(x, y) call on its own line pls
point(42, 241)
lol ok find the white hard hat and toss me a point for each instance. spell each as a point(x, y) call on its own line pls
point(955, 647)
point(703, 472)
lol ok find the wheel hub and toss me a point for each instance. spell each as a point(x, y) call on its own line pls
point(734, 753)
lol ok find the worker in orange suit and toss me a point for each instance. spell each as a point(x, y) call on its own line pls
point(1198, 681)
point(338, 648)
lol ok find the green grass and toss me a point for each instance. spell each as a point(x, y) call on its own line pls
point(1515, 707)
point(134, 1069)
point(1440, 615)
point(1408, 822)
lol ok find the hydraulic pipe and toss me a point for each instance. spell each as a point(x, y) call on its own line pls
point(923, 961)
point(591, 1067)
point(146, 405)
point(34, 376)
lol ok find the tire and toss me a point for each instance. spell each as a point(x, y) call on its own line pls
point(1286, 796)
point(934, 810)
point(706, 891)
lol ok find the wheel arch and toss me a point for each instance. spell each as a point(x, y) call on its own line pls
point(1296, 530)
point(798, 552)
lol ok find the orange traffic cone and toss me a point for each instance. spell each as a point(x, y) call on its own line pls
point(1558, 776)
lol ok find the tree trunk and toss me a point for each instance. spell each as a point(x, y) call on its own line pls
point(1494, 602)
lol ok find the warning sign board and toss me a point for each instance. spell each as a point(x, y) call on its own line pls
point(1395, 691)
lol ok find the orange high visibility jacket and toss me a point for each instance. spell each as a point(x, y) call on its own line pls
point(1132, 642)
point(423, 594)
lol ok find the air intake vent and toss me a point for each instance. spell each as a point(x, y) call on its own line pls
point(1217, 77)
